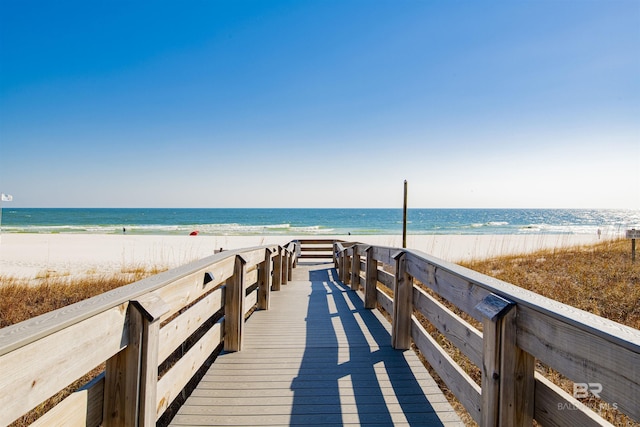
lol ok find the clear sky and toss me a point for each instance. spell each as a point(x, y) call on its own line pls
point(326, 103)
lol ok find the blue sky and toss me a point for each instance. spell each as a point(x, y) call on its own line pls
point(232, 103)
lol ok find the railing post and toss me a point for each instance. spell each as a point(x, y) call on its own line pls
point(131, 376)
point(234, 307)
point(264, 281)
point(152, 309)
point(346, 274)
point(290, 265)
point(507, 371)
point(285, 266)
point(122, 377)
point(355, 269)
point(277, 270)
point(402, 304)
point(371, 284)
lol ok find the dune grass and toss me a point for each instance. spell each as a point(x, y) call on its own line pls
point(600, 279)
point(21, 299)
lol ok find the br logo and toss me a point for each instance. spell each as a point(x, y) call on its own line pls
point(582, 390)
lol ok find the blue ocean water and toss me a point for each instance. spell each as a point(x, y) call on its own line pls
point(317, 221)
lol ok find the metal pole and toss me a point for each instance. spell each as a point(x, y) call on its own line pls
point(404, 217)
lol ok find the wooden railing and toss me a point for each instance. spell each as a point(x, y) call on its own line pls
point(156, 334)
point(171, 322)
point(518, 328)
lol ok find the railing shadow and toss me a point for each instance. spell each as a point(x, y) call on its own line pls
point(349, 372)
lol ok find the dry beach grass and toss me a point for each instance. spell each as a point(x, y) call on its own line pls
point(599, 278)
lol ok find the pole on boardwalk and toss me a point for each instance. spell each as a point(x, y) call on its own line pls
point(404, 217)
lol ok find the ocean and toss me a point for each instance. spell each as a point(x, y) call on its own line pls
point(312, 222)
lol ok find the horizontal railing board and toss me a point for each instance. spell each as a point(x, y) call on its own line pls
point(386, 302)
point(174, 333)
point(190, 288)
point(385, 254)
point(583, 357)
point(557, 408)
point(386, 279)
point(81, 408)
point(69, 353)
point(458, 381)
point(612, 331)
point(20, 334)
point(174, 380)
point(464, 336)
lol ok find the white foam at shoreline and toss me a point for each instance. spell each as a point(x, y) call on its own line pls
point(31, 255)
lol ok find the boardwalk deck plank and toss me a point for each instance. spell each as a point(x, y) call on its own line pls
point(317, 357)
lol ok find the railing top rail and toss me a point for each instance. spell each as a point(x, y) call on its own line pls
point(610, 330)
point(23, 333)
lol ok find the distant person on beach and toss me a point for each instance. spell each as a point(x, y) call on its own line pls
point(599, 233)
point(124, 230)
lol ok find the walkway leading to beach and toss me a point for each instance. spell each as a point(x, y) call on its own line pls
point(317, 357)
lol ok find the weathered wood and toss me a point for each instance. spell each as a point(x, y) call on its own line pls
point(152, 309)
point(386, 279)
point(292, 257)
point(81, 408)
point(460, 384)
point(174, 333)
point(23, 333)
point(284, 269)
point(122, 377)
point(402, 305)
point(517, 382)
point(346, 267)
point(185, 290)
point(174, 380)
point(315, 256)
point(371, 283)
point(385, 301)
point(250, 301)
point(355, 269)
point(554, 407)
point(384, 254)
point(277, 269)
point(264, 282)
point(463, 335)
point(27, 378)
point(583, 357)
point(316, 249)
point(234, 307)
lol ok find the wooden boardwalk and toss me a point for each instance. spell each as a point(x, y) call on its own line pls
point(317, 357)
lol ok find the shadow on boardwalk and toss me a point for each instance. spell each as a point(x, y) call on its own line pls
point(316, 357)
point(349, 372)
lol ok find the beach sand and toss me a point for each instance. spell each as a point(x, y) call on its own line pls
point(33, 256)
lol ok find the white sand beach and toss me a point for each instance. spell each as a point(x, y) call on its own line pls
point(38, 255)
